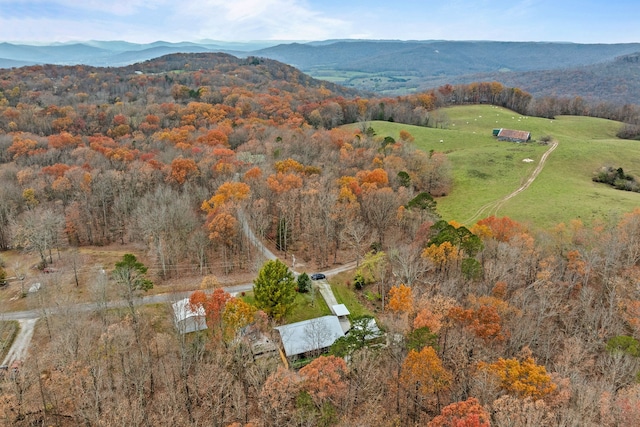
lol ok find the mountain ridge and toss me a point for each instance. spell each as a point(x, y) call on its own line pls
point(389, 67)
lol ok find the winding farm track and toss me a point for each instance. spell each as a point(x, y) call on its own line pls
point(492, 208)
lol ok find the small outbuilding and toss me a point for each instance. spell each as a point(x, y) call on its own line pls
point(342, 312)
point(261, 345)
point(512, 135)
point(188, 318)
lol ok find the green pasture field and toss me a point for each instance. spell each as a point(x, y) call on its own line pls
point(383, 82)
point(486, 170)
point(336, 76)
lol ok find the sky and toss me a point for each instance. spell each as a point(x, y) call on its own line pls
point(144, 21)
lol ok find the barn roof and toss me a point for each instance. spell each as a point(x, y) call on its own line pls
point(514, 135)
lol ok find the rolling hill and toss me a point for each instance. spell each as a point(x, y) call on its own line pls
point(485, 169)
point(616, 81)
point(395, 67)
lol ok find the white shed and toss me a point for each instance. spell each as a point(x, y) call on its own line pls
point(188, 318)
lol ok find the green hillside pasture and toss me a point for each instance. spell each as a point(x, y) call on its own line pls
point(486, 170)
point(396, 83)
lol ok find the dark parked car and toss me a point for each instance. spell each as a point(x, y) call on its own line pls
point(318, 276)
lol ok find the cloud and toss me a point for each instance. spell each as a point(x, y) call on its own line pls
point(75, 7)
point(242, 20)
point(260, 19)
point(145, 21)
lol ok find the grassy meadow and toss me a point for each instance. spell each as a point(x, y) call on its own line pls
point(486, 170)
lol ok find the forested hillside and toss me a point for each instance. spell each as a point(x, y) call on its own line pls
point(484, 324)
point(615, 81)
point(393, 67)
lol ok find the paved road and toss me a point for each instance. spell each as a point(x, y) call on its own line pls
point(93, 306)
point(28, 318)
point(150, 299)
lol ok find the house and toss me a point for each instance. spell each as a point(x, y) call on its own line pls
point(512, 135)
point(188, 318)
point(313, 335)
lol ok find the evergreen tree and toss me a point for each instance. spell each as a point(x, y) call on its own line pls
point(275, 289)
point(304, 283)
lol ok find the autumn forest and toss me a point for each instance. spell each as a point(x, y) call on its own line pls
point(164, 165)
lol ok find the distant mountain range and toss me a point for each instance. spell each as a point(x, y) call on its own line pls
point(112, 53)
point(593, 71)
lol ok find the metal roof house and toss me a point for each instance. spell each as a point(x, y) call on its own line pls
point(512, 135)
point(188, 318)
point(310, 335)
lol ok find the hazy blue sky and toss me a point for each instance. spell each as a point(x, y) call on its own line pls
point(585, 21)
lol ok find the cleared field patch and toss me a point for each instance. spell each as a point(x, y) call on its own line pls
point(486, 170)
point(395, 83)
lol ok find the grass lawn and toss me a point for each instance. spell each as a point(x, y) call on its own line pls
point(345, 295)
point(305, 307)
point(485, 169)
point(8, 331)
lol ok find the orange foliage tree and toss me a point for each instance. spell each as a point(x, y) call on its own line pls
point(288, 165)
point(400, 299)
point(223, 228)
point(324, 379)
point(183, 169)
point(214, 306)
point(501, 229)
point(406, 136)
point(283, 182)
point(423, 372)
point(22, 147)
point(63, 140)
point(431, 312)
point(377, 177)
point(523, 378)
point(484, 322)
point(214, 137)
point(228, 192)
point(462, 414)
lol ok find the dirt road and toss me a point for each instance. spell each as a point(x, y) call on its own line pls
point(20, 345)
point(492, 208)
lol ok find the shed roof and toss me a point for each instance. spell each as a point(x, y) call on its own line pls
point(309, 335)
point(340, 310)
point(519, 135)
point(182, 310)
